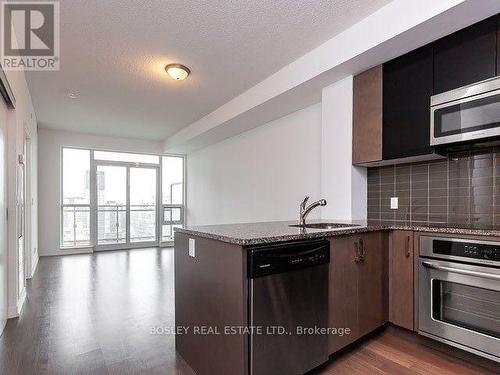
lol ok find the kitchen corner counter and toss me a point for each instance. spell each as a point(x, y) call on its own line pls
point(248, 234)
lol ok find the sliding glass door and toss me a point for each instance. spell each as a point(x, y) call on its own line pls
point(143, 204)
point(112, 204)
point(127, 205)
point(116, 200)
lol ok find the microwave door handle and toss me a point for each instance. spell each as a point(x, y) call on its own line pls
point(484, 275)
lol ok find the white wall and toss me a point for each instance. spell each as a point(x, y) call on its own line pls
point(342, 184)
point(32, 206)
point(263, 174)
point(49, 151)
point(21, 121)
point(3, 218)
point(259, 175)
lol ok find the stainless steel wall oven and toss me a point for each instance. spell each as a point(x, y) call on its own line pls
point(459, 293)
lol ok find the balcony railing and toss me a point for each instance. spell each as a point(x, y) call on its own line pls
point(75, 225)
point(112, 223)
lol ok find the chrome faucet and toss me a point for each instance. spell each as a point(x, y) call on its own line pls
point(304, 211)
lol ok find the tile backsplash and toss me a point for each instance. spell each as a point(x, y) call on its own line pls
point(462, 189)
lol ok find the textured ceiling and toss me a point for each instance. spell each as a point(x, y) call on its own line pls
point(113, 53)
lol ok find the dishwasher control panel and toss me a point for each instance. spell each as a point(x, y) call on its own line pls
point(287, 257)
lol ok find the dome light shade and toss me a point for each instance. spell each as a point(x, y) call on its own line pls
point(177, 71)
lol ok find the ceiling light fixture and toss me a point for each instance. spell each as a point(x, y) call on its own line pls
point(177, 71)
point(72, 95)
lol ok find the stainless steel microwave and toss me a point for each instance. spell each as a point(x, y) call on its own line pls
point(466, 114)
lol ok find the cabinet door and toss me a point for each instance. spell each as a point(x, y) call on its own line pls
point(367, 116)
point(372, 283)
point(343, 295)
point(465, 57)
point(407, 91)
point(401, 279)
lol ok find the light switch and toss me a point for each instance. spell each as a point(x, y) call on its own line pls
point(192, 246)
point(394, 203)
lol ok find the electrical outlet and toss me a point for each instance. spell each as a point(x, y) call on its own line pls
point(394, 203)
point(192, 247)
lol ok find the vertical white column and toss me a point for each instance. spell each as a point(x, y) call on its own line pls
point(342, 184)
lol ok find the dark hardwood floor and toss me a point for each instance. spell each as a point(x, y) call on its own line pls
point(93, 314)
point(397, 351)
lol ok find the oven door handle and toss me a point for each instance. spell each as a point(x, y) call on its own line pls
point(484, 275)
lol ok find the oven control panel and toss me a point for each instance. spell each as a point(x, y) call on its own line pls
point(480, 251)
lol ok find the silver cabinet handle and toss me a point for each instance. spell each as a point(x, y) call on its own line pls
point(359, 247)
point(357, 255)
point(363, 249)
point(462, 272)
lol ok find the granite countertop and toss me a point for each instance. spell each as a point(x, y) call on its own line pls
point(248, 234)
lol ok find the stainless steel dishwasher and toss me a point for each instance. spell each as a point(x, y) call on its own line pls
point(288, 291)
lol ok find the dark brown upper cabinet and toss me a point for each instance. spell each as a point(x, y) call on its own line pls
point(465, 57)
point(367, 116)
point(407, 89)
point(391, 104)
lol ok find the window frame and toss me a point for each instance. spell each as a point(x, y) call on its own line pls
point(183, 215)
point(92, 206)
point(172, 222)
point(101, 160)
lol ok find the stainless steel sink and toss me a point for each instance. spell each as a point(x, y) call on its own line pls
point(324, 225)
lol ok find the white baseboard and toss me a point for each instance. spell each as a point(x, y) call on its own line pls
point(20, 302)
point(85, 250)
point(15, 311)
point(3, 323)
point(34, 265)
point(12, 312)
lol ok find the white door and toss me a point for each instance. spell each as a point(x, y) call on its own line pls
point(28, 209)
point(20, 228)
point(3, 211)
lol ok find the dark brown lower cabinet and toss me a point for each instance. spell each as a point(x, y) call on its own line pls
point(373, 283)
point(401, 279)
point(343, 289)
point(358, 286)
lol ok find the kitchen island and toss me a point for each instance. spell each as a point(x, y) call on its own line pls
point(212, 283)
point(247, 234)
